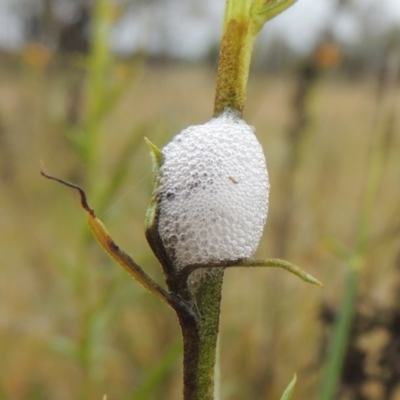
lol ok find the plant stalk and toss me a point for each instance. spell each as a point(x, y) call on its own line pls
point(337, 350)
point(234, 63)
point(237, 43)
point(242, 21)
point(200, 335)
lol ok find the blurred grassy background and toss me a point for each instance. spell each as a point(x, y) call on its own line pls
point(74, 326)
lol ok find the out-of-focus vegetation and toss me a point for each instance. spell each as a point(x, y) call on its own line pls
point(73, 325)
point(51, 301)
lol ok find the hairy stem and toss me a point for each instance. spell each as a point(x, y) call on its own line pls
point(234, 63)
point(200, 337)
point(235, 56)
point(242, 22)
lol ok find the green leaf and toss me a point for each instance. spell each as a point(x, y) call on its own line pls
point(287, 394)
point(281, 264)
point(264, 10)
point(156, 152)
point(339, 341)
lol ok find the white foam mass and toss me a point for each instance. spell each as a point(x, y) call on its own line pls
point(213, 193)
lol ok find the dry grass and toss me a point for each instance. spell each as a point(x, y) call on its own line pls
point(270, 326)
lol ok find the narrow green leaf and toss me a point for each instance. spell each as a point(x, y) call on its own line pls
point(287, 394)
point(338, 346)
point(156, 152)
point(101, 234)
point(282, 264)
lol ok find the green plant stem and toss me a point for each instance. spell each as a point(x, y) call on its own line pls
point(337, 350)
point(234, 60)
point(387, 107)
point(200, 336)
point(242, 22)
point(99, 64)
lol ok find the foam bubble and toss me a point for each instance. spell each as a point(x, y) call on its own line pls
point(213, 193)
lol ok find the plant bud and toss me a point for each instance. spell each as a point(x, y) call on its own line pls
point(213, 191)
